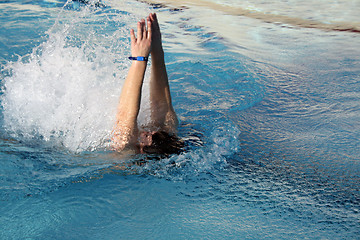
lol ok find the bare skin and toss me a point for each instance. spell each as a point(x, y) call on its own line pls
point(162, 112)
point(126, 131)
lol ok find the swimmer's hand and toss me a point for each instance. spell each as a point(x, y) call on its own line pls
point(141, 43)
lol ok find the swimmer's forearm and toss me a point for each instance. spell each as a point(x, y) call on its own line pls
point(131, 93)
point(163, 114)
point(126, 128)
point(160, 87)
point(129, 103)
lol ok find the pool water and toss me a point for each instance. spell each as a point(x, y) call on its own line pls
point(269, 111)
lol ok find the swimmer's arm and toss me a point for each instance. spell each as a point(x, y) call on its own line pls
point(129, 104)
point(163, 114)
point(126, 129)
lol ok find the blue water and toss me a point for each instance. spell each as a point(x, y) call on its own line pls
point(270, 113)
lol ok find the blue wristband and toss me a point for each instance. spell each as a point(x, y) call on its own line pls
point(139, 58)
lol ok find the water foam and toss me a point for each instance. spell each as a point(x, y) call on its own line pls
point(66, 91)
point(203, 154)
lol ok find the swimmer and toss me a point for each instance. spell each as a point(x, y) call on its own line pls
point(160, 136)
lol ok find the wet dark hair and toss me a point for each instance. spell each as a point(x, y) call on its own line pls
point(164, 143)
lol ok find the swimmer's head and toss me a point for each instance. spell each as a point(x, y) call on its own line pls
point(160, 143)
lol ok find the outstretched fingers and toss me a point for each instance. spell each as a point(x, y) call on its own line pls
point(149, 28)
point(132, 36)
point(144, 30)
point(140, 30)
point(154, 21)
point(141, 41)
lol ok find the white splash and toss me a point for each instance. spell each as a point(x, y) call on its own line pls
point(66, 91)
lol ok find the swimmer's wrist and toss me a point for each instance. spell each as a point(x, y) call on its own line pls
point(139, 58)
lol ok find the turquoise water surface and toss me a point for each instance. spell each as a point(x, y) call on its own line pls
point(269, 108)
